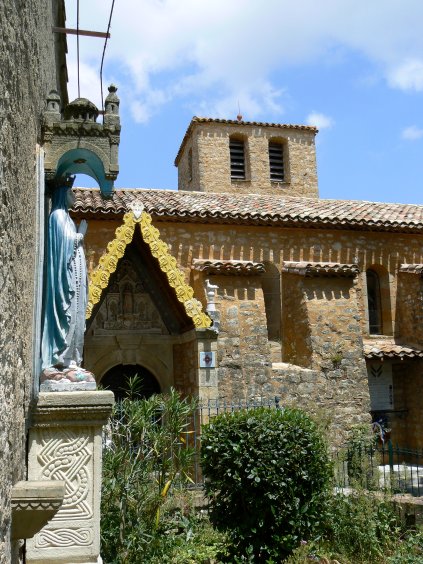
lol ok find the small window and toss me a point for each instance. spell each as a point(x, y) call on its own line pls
point(276, 161)
point(374, 302)
point(237, 153)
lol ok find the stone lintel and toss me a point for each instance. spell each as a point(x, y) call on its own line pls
point(228, 267)
point(315, 269)
point(77, 409)
point(412, 269)
point(34, 504)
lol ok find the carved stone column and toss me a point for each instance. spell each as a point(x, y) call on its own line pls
point(65, 443)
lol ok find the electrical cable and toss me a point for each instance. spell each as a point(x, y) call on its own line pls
point(77, 44)
point(102, 58)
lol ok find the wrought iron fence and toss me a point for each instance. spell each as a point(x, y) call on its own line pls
point(380, 467)
point(383, 467)
point(208, 409)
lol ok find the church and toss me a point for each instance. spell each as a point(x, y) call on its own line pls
point(315, 302)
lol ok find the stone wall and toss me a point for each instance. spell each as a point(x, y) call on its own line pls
point(210, 170)
point(243, 351)
point(337, 397)
point(409, 308)
point(27, 73)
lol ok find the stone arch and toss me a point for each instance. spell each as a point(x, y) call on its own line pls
point(116, 380)
point(156, 359)
point(83, 158)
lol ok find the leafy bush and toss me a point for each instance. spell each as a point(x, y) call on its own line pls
point(144, 458)
point(267, 475)
point(362, 458)
point(361, 526)
point(409, 549)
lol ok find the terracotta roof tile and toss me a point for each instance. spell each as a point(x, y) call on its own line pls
point(228, 267)
point(387, 348)
point(196, 120)
point(254, 209)
point(329, 269)
point(412, 268)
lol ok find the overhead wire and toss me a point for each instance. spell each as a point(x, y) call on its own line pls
point(77, 45)
point(104, 51)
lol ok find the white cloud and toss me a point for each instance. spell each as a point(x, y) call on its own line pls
point(407, 76)
point(412, 133)
point(321, 121)
point(217, 52)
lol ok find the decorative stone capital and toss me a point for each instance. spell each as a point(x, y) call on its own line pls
point(72, 408)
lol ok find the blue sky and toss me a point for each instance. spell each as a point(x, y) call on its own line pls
point(352, 68)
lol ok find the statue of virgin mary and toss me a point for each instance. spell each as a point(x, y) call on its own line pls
point(65, 298)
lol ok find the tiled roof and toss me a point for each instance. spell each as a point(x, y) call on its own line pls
point(387, 348)
point(196, 120)
point(329, 269)
point(412, 268)
point(228, 267)
point(254, 209)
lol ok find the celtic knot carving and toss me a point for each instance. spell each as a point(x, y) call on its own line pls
point(64, 538)
point(67, 458)
point(99, 277)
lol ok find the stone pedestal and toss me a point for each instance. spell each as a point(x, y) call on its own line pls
point(65, 444)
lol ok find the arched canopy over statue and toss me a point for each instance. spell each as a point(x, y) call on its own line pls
point(65, 296)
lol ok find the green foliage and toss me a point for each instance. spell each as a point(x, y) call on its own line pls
point(409, 550)
point(145, 458)
point(362, 458)
point(361, 526)
point(194, 540)
point(267, 474)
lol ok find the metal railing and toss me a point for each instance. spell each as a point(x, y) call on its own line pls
point(385, 467)
point(208, 409)
point(375, 467)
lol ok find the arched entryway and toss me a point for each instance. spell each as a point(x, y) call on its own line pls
point(116, 379)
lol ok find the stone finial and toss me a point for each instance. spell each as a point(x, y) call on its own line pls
point(111, 107)
point(112, 101)
point(52, 113)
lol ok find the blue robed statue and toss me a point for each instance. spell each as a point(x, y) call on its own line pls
point(65, 298)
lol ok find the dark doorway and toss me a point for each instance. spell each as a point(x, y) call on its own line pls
point(116, 380)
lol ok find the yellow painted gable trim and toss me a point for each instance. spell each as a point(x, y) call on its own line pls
point(99, 277)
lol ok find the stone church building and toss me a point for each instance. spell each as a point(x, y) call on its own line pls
point(317, 302)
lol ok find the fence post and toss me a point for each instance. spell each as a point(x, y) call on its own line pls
point(391, 457)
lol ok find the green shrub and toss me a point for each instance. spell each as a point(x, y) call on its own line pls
point(267, 474)
point(362, 526)
point(409, 549)
point(362, 458)
point(144, 459)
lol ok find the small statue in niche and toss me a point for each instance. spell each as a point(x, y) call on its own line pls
point(65, 295)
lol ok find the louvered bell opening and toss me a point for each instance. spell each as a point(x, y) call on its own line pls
point(236, 149)
point(276, 162)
